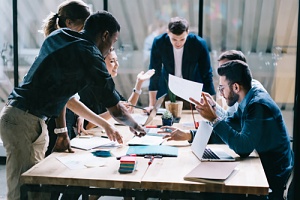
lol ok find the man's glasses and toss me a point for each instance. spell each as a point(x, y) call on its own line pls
point(222, 87)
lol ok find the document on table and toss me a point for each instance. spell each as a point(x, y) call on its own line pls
point(146, 140)
point(185, 88)
point(81, 161)
point(91, 143)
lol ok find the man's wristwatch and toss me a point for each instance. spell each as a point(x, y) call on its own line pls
point(137, 91)
point(216, 121)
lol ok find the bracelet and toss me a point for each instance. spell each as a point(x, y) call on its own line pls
point(60, 130)
point(137, 91)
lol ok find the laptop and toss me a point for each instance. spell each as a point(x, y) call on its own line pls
point(145, 119)
point(200, 149)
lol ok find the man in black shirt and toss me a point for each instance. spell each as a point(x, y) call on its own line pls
point(68, 62)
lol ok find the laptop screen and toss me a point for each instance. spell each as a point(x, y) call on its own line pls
point(201, 139)
point(155, 109)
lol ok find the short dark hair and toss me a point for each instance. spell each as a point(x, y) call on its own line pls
point(232, 55)
point(178, 25)
point(100, 22)
point(236, 71)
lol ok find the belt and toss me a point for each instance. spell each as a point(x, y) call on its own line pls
point(17, 104)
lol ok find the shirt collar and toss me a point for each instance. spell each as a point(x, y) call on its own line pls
point(247, 98)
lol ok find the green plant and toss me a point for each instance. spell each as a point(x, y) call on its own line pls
point(171, 95)
point(167, 115)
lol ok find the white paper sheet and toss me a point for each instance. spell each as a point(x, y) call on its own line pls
point(91, 143)
point(81, 161)
point(146, 140)
point(185, 88)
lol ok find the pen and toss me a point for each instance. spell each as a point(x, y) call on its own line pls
point(153, 126)
point(104, 136)
point(156, 156)
point(118, 158)
point(151, 160)
point(139, 107)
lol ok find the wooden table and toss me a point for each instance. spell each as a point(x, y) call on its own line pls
point(164, 178)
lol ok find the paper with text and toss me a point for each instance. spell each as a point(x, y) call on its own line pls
point(185, 88)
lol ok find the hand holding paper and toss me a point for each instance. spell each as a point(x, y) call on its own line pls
point(185, 88)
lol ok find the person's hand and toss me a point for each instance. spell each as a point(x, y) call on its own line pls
point(62, 143)
point(148, 109)
point(113, 134)
point(138, 131)
point(210, 100)
point(204, 108)
point(128, 106)
point(174, 133)
point(80, 129)
point(145, 76)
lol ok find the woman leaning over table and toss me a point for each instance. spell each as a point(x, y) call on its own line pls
point(112, 66)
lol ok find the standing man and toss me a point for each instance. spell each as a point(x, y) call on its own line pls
point(68, 62)
point(179, 53)
point(256, 125)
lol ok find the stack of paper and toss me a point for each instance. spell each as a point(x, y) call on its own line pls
point(127, 164)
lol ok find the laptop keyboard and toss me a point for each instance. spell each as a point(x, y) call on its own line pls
point(209, 154)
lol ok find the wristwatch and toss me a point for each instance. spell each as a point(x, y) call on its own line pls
point(215, 122)
point(137, 91)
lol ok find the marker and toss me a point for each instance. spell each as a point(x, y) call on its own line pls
point(151, 160)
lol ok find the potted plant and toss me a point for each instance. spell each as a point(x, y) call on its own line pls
point(174, 106)
point(167, 118)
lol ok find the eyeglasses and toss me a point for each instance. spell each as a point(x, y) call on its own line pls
point(222, 87)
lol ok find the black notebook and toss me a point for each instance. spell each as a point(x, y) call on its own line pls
point(166, 151)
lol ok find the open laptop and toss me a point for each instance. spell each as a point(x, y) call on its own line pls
point(204, 153)
point(145, 119)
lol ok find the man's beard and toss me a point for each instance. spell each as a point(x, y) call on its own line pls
point(232, 98)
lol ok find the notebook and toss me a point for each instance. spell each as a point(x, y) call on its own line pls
point(145, 119)
point(160, 150)
point(212, 172)
point(199, 145)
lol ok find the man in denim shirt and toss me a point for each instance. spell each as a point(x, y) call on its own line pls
point(256, 125)
point(67, 63)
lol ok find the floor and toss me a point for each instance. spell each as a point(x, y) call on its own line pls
point(287, 114)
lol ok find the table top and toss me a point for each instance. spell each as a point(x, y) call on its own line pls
point(163, 174)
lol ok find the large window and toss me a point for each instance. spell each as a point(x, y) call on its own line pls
point(266, 31)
